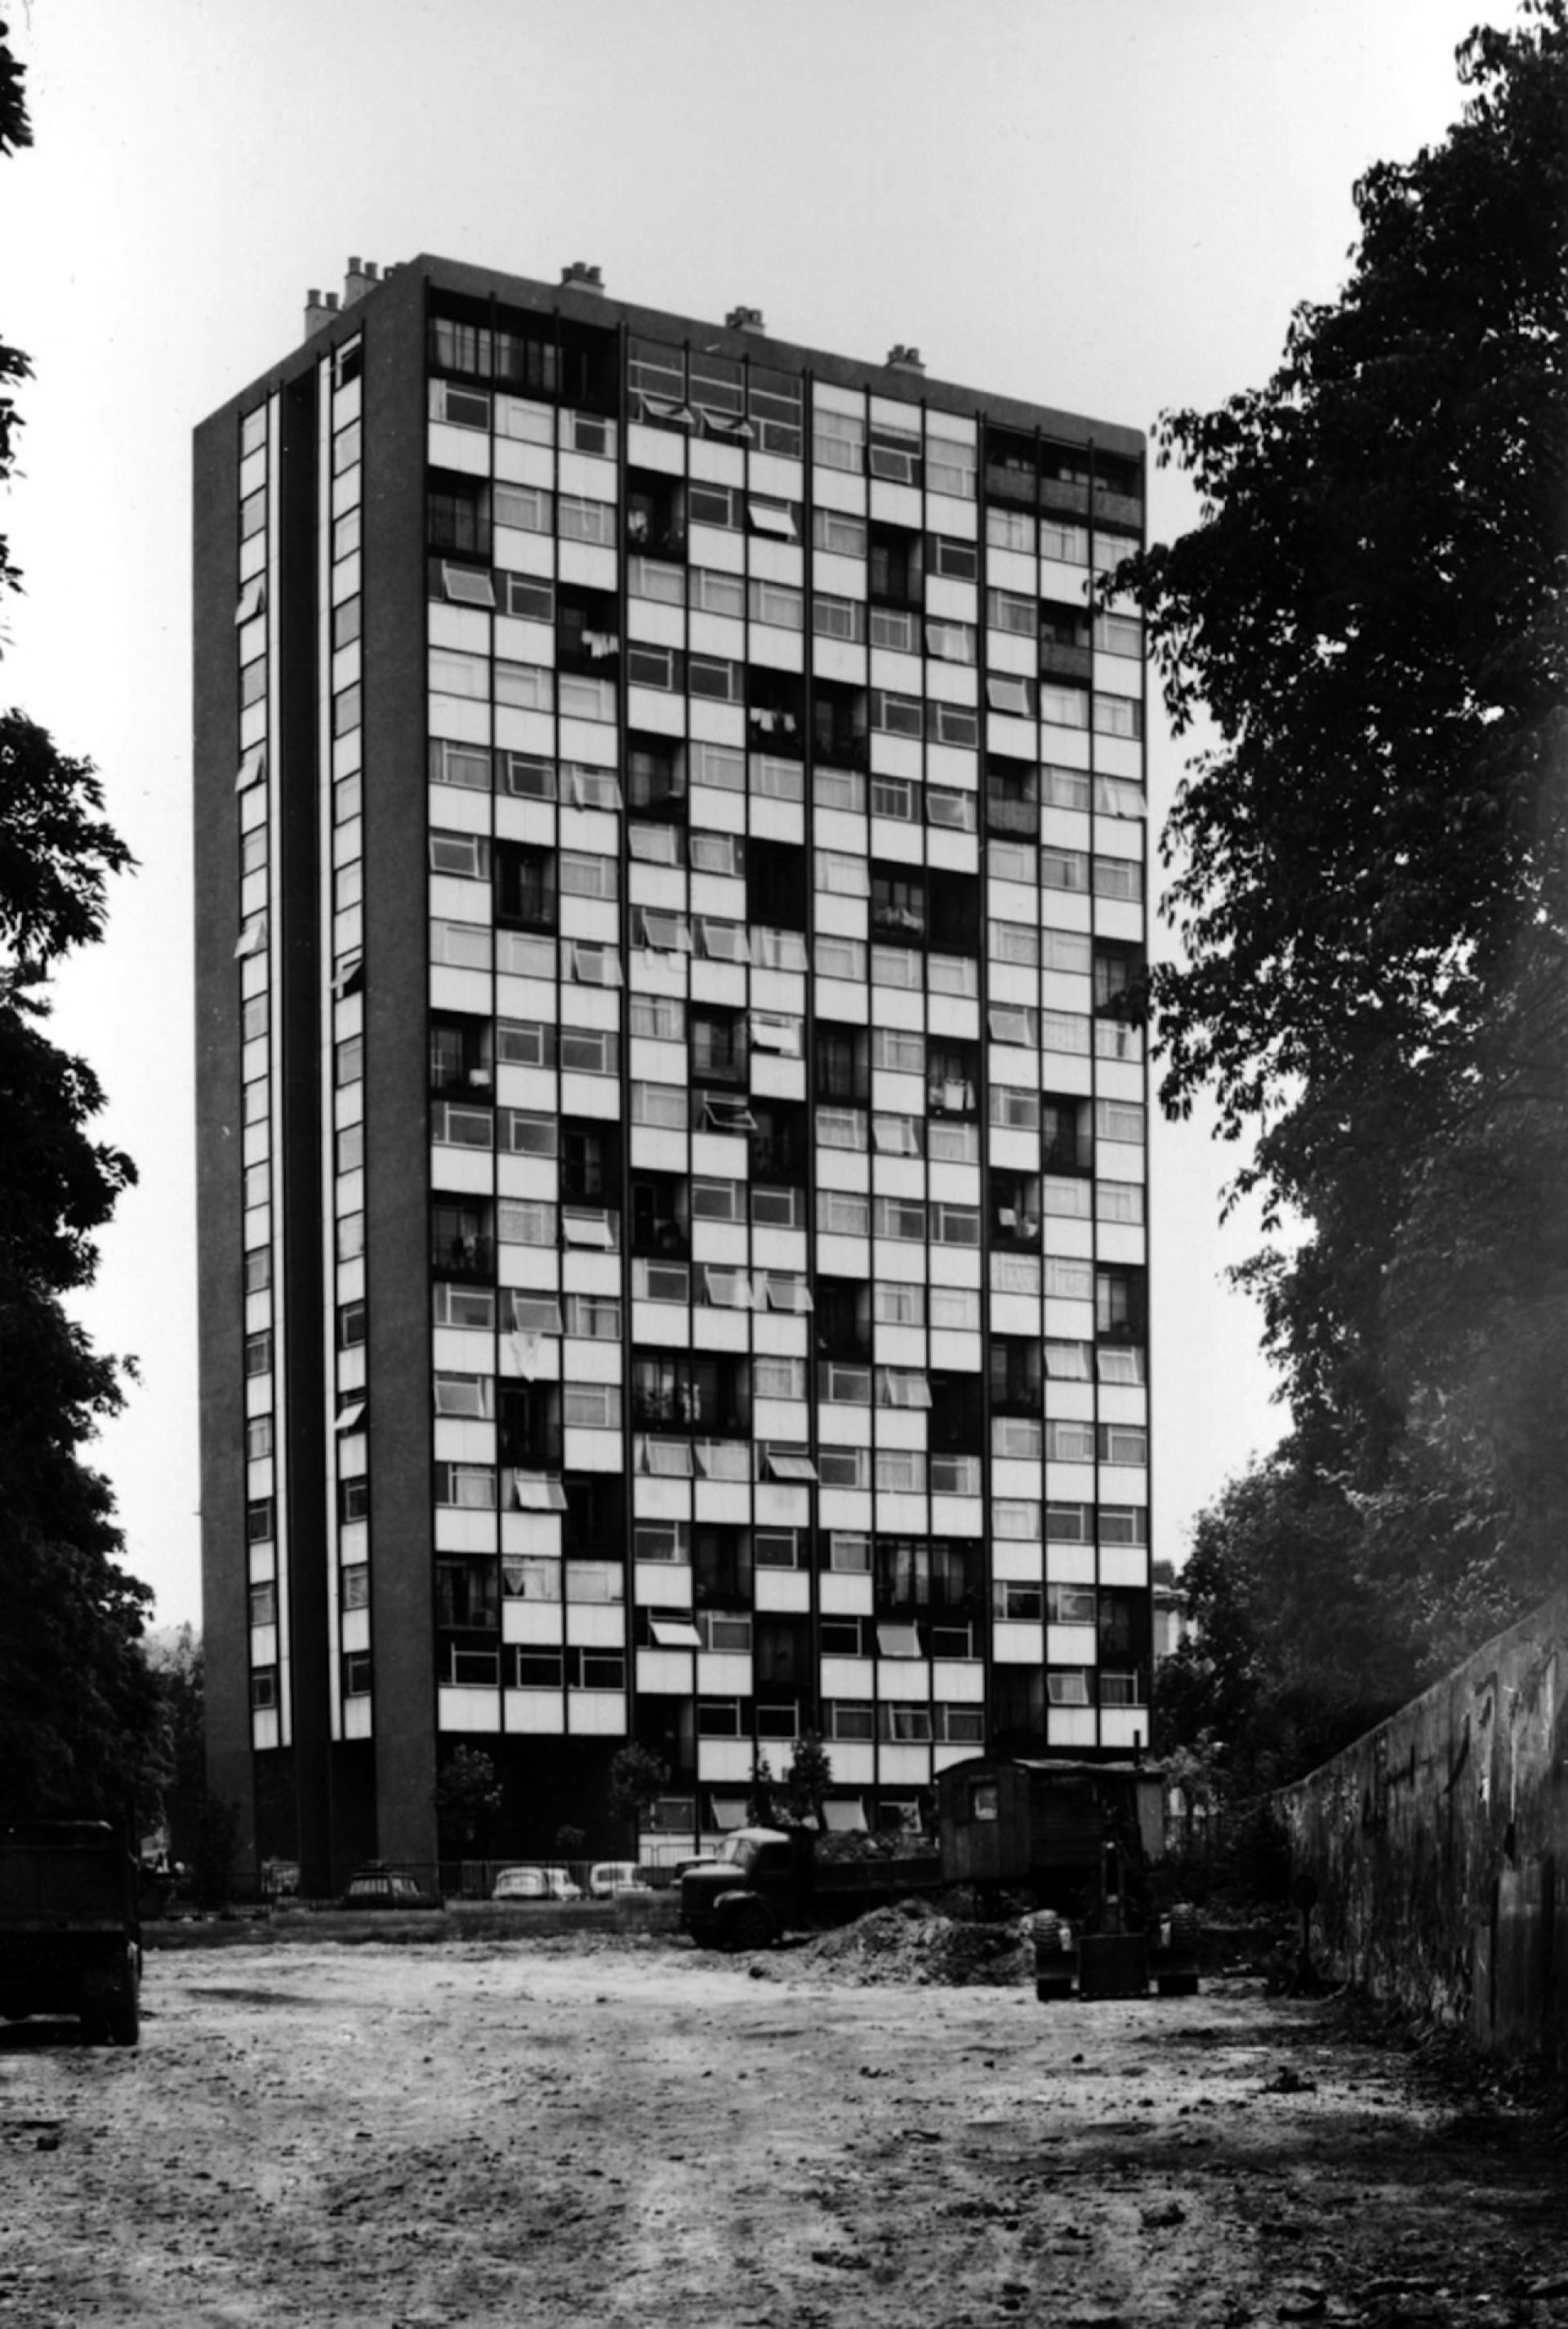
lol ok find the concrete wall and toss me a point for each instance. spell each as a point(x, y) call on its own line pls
point(1440, 1845)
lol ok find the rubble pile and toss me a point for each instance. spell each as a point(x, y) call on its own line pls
point(909, 1942)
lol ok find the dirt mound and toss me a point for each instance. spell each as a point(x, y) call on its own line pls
point(909, 1942)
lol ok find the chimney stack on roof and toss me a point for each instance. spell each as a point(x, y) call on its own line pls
point(745, 319)
point(903, 359)
point(320, 308)
point(362, 276)
point(580, 277)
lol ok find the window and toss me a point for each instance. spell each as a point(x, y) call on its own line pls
point(1120, 1119)
point(594, 1317)
point(898, 1217)
point(1067, 1686)
point(1064, 869)
point(592, 965)
point(838, 440)
point(908, 1724)
point(1069, 1362)
point(950, 642)
point(849, 1719)
point(837, 618)
point(580, 519)
point(776, 603)
point(463, 944)
point(468, 764)
point(1069, 1442)
point(717, 505)
point(1118, 877)
point(473, 1396)
point(769, 515)
point(529, 509)
point(1117, 715)
point(473, 1307)
point(955, 1306)
point(954, 1224)
point(452, 1127)
point(526, 775)
point(655, 667)
point(470, 1486)
point(464, 854)
point(900, 1471)
point(1118, 1201)
point(1063, 707)
point(526, 596)
point(1004, 693)
point(589, 1051)
point(1015, 1518)
point(714, 676)
point(525, 1221)
point(957, 812)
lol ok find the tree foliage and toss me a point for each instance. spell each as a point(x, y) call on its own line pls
point(1289, 1659)
point(467, 1792)
point(807, 1779)
point(78, 1719)
point(637, 1781)
point(1370, 863)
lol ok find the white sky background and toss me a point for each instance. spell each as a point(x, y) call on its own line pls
point(1107, 206)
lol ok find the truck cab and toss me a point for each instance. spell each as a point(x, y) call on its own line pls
point(750, 1893)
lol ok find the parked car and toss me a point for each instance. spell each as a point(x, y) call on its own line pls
point(536, 1884)
point(376, 1886)
point(607, 1877)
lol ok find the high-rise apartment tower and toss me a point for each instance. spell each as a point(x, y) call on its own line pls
point(670, 838)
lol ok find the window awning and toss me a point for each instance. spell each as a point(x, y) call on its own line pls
point(534, 1492)
point(252, 599)
point(675, 1634)
point(898, 1642)
point(466, 588)
point(587, 1229)
point(351, 1417)
point(772, 517)
point(790, 1468)
point(727, 1811)
point(846, 1816)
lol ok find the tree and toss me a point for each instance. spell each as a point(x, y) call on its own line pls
point(759, 1803)
point(1371, 865)
point(179, 1670)
point(807, 1779)
point(1289, 1659)
point(637, 1781)
point(467, 1792)
point(78, 1708)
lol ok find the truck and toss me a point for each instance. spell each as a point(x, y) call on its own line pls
point(70, 1928)
point(768, 1881)
point(1073, 1840)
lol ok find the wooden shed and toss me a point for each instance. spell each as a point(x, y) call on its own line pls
point(1015, 1820)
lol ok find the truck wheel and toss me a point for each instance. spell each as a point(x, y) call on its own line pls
point(95, 2027)
point(1185, 1928)
point(125, 2020)
point(750, 1928)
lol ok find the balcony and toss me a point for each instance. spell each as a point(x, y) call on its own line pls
point(466, 1260)
point(1009, 482)
point(1124, 509)
point(1064, 493)
point(1059, 661)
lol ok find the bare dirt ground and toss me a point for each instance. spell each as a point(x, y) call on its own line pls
point(554, 2131)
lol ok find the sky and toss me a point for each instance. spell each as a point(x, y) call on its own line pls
point(1108, 207)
